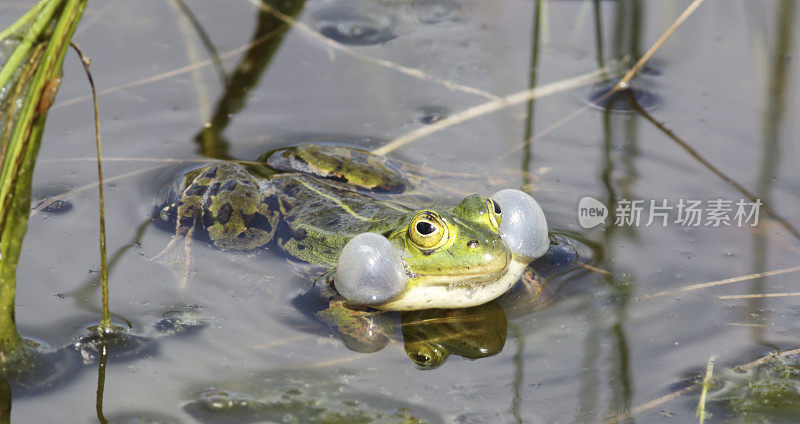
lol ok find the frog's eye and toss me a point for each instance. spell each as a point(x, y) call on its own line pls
point(495, 213)
point(427, 230)
point(426, 355)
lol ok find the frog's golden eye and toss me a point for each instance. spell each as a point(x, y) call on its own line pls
point(427, 230)
point(495, 213)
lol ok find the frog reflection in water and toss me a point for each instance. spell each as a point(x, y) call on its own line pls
point(431, 335)
point(329, 206)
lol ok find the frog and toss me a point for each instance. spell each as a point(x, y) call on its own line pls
point(336, 207)
point(430, 336)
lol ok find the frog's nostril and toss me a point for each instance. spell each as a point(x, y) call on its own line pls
point(472, 244)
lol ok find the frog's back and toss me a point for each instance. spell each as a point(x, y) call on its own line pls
point(310, 199)
point(319, 217)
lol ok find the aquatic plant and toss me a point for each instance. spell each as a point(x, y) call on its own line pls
point(29, 81)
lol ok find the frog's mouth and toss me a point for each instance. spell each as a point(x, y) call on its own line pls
point(475, 278)
point(452, 292)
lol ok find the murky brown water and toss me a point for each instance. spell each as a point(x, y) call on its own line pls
point(726, 86)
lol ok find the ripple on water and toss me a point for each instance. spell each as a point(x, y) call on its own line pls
point(621, 100)
point(348, 25)
point(120, 344)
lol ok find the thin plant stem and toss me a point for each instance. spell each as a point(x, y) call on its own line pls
point(623, 83)
point(169, 74)
point(710, 284)
point(489, 107)
point(101, 382)
point(105, 323)
point(533, 72)
point(708, 165)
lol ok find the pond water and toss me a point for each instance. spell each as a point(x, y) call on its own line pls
point(716, 121)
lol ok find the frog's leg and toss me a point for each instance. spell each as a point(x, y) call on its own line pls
point(362, 329)
point(186, 211)
point(235, 208)
point(354, 167)
point(533, 284)
point(244, 212)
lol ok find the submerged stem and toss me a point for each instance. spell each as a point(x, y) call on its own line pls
point(101, 382)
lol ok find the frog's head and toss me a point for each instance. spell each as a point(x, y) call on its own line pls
point(445, 245)
point(445, 257)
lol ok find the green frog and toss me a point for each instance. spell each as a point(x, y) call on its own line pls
point(340, 208)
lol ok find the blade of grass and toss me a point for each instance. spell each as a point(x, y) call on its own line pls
point(9, 106)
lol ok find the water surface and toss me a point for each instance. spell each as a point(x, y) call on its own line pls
point(726, 86)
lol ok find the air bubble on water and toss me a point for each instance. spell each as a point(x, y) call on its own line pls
point(164, 214)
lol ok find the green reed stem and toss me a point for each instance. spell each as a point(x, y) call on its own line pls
point(54, 30)
point(37, 28)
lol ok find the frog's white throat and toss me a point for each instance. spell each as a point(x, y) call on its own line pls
point(452, 296)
